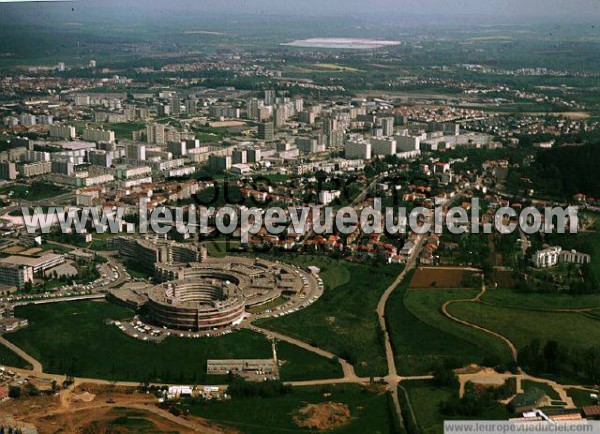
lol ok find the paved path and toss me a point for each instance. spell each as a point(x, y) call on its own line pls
point(348, 369)
point(37, 366)
point(475, 299)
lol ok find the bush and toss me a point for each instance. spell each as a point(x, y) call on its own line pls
point(14, 392)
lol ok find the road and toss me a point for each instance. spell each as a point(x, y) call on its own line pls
point(392, 377)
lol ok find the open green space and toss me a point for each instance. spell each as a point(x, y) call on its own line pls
point(221, 247)
point(427, 306)
point(36, 191)
point(511, 298)
point(125, 130)
point(74, 338)
point(581, 397)
point(343, 320)
point(8, 358)
point(573, 330)
point(369, 411)
point(422, 337)
point(425, 398)
point(299, 364)
point(266, 306)
point(546, 388)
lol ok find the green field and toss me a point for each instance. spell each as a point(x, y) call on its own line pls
point(35, 191)
point(299, 364)
point(125, 130)
point(424, 400)
point(512, 298)
point(581, 397)
point(8, 358)
point(73, 338)
point(343, 320)
point(522, 326)
point(422, 337)
point(426, 305)
point(546, 388)
point(220, 248)
point(369, 410)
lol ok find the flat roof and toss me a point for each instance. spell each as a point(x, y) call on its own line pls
point(31, 261)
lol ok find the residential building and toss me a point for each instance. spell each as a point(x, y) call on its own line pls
point(66, 132)
point(266, 131)
point(357, 150)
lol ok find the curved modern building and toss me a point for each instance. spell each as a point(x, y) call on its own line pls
point(209, 295)
point(196, 304)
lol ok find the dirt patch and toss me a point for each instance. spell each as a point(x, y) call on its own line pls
point(445, 277)
point(83, 397)
point(324, 416)
point(108, 420)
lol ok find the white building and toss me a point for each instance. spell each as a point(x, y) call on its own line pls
point(327, 196)
point(96, 135)
point(357, 150)
point(407, 143)
point(546, 258)
point(383, 146)
point(66, 132)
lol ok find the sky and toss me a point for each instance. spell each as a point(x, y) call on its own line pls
point(491, 9)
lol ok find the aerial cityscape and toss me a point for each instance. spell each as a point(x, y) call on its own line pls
point(253, 216)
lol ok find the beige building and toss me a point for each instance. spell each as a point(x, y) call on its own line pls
point(29, 170)
point(16, 275)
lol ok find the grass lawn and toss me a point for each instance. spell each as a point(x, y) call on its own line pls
point(546, 388)
point(74, 338)
point(426, 305)
point(512, 298)
point(266, 306)
point(36, 191)
point(424, 400)
point(299, 364)
point(136, 271)
point(522, 326)
point(125, 130)
point(343, 320)
point(54, 248)
point(581, 398)
point(422, 337)
point(8, 358)
point(369, 410)
point(221, 248)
